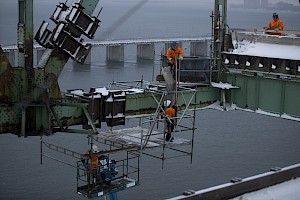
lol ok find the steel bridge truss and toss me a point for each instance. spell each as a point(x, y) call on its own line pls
point(267, 85)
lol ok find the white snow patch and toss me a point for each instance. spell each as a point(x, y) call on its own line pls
point(43, 29)
point(259, 111)
point(217, 106)
point(286, 116)
point(78, 92)
point(223, 85)
point(268, 50)
point(102, 91)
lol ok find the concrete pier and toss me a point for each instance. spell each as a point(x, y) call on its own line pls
point(88, 59)
point(145, 51)
point(115, 53)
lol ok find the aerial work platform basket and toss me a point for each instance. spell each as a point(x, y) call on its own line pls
point(111, 176)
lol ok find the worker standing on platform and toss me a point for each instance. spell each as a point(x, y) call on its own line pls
point(276, 23)
point(94, 164)
point(174, 53)
point(170, 121)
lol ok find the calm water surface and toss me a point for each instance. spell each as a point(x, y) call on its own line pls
point(227, 144)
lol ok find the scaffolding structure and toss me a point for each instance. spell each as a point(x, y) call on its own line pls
point(149, 135)
point(146, 136)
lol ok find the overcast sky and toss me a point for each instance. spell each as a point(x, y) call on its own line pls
point(295, 2)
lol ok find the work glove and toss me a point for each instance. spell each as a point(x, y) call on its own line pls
point(180, 57)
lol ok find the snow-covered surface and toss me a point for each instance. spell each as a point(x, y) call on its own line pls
point(103, 91)
point(267, 50)
point(223, 85)
point(287, 190)
point(133, 136)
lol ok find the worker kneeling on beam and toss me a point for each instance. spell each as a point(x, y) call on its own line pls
point(170, 121)
point(276, 24)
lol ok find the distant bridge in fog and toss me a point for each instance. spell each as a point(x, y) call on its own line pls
point(115, 48)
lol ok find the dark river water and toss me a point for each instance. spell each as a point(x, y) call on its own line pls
point(228, 144)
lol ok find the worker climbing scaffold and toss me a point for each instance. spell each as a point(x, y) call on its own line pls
point(169, 115)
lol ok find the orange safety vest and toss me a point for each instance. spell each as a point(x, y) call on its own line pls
point(277, 23)
point(93, 163)
point(174, 54)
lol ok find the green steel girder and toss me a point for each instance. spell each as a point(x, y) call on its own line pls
point(67, 112)
point(57, 115)
point(270, 94)
point(145, 103)
point(9, 119)
point(27, 92)
point(6, 71)
point(267, 84)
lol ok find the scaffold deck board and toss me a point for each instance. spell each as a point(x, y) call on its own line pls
point(137, 136)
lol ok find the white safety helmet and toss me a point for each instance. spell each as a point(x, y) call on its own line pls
point(167, 103)
point(95, 149)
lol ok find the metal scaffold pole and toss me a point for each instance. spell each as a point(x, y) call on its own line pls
point(219, 28)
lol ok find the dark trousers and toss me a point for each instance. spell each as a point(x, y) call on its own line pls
point(170, 128)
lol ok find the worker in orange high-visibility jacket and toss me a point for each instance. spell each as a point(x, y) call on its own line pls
point(170, 121)
point(275, 24)
point(94, 164)
point(174, 53)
